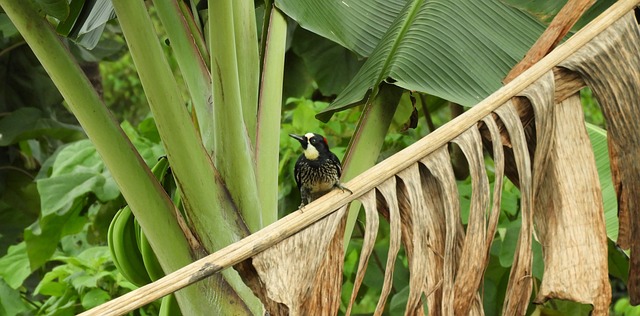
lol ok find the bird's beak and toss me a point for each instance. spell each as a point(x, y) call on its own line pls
point(298, 137)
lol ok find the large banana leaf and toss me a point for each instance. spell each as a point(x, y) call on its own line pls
point(546, 10)
point(458, 50)
point(598, 138)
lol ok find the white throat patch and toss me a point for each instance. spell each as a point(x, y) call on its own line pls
point(311, 152)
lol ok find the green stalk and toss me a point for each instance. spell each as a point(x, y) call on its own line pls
point(233, 153)
point(192, 64)
point(193, 21)
point(189, 161)
point(246, 35)
point(150, 204)
point(216, 221)
point(366, 144)
point(269, 113)
point(268, 6)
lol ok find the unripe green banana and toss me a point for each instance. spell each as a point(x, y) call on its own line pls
point(169, 306)
point(110, 237)
point(159, 170)
point(149, 257)
point(127, 256)
point(130, 249)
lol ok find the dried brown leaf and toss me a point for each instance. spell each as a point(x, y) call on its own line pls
point(519, 286)
point(290, 268)
point(388, 190)
point(541, 98)
point(439, 165)
point(434, 215)
point(472, 259)
point(414, 223)
point(610, 65)
point(326, 292)
point(371, 231)
point(498, 162)
point(569, 217)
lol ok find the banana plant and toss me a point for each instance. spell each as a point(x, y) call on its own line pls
point(224, 154)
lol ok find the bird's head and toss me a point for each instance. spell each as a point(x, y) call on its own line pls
point(313, 144)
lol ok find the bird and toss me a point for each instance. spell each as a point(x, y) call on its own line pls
point(317, 170)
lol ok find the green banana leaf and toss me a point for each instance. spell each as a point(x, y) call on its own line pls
point(56, 8)
point(598, 138)
point(458, 50)
point(545, 11)
point(355, 24)
point(85, 21)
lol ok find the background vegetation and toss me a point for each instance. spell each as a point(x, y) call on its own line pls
point(57, 196)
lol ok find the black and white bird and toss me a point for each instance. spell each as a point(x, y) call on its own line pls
point(317, 170)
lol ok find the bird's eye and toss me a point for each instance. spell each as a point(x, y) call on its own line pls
point(313, 141)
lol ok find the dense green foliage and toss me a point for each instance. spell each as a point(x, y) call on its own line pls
point(57, 196)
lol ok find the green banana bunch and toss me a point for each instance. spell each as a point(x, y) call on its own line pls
point(130, 249)
point(124, 248)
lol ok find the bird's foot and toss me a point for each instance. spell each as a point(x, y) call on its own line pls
point(343, 188)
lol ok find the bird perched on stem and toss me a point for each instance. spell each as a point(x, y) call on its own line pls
point(317, 170)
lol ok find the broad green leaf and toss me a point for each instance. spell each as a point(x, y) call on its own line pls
point(618, 262)
point(598, 138)
point(496, 278)
point(398, 302)
point(345, 295)
point(331, 65)
point(457, 50)
point(10, 301)
point(546, 10)
point(354, 24)
point(94, 298)
point(50, 284)
point(94, 257)
point(147, 141)
point(42, 237)
point(65, 25)
point(595, 10)
point(88, 280)
point(78, 157)
point(107, 49)
point(14, 266)
point(90, 23)
point(538, 260)
point(510, 242)
point(6, 27)
point(28, 123)
point(21, 77)
point(77, 171)
point(298, 82)
point(57, 194)
point(542, 10)
point(561, 307)
point(58, 9)
point(302, 120)
point(19, 206)
point(464, 196)
point(148, 129)
point(510, 202)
